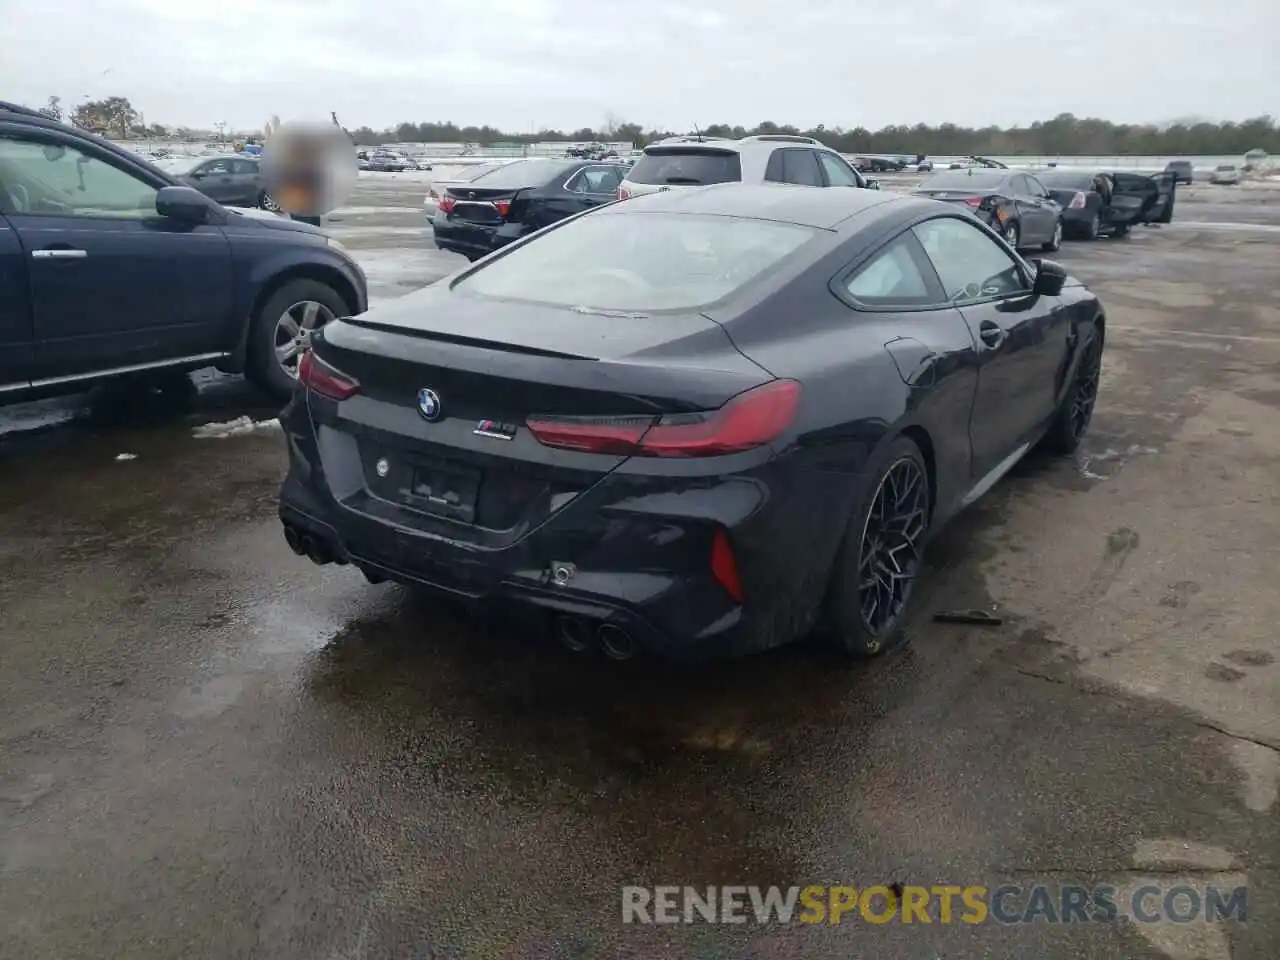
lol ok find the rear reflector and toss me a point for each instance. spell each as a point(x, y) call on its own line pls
point(724, 566)
point(749, 420)
point(1078, 201)
point(502, 206)
point(315, 374)
point(973, 201)
point(446, 204)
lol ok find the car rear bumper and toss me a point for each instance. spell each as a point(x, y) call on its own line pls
point(636, 551)
point(473, 239)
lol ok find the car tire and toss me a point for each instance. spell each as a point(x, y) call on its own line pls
point(1012, 234)
point(1121, 230)
point(1056, 242)
point(863, 617)
point(1071, 421)
point(269, 369)
point(1094, 227)
point(267, 202)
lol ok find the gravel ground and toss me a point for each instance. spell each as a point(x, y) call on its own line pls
point(209, 747)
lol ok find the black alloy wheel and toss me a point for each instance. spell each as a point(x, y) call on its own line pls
point(1071, 423)
point(882, 554)
point(1084, 392)
point(892, 542)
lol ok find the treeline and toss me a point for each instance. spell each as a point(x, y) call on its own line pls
point(1064, 135)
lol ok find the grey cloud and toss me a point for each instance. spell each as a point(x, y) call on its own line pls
point(567, 63)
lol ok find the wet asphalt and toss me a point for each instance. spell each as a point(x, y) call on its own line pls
point(212, 748)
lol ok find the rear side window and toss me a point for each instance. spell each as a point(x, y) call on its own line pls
point(894, 277)
point(796, 166)
point(637, 263)
point(686, 167)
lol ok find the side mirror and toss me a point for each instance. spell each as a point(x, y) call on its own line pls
point(873, 183)
point(1051, 276)
point(184, 204)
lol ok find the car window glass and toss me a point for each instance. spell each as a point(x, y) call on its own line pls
point(630, 264)
point(64, 181)
point(245, 166)
point(801, 167)
point(216, 167)
point(596, 180)
point(838, 172)
point(686, 166)
point(891, 278)
point(970, 264)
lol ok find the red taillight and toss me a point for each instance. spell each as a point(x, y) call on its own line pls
point(315, 374)
point(974, 201)
point(502, 206)
point(724, 566)
point(749, 420)
point(624, 193)
point(446, 204)
point(1078, 201)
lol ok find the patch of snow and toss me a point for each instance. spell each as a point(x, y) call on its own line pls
point(238, 427)
point(126, 456)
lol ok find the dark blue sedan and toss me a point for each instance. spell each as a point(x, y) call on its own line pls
point(110, 267)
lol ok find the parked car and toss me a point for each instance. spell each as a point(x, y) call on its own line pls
point(521, 197)
point(703, 422)
point(235, 181)
point(692, 162)
point(1225, 173)
point(881, 164)
point(1100, 201)
point(385, 161)
point(924, 166)
point(431, 201)
point(1181, 169)
point(111, 267)
point(1014, 204)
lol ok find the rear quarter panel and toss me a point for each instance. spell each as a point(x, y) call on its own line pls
point(856, 399)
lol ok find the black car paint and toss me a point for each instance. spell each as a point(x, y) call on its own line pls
point(149, 295)
point(636, 531)
point(544, 200)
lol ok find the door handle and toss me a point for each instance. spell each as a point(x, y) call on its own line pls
point(992, 334)
point(59, 253)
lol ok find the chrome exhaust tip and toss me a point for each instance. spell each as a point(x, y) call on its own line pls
point(573, 634)
point(616, 643)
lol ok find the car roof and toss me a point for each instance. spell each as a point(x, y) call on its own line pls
point(822, 207)
point(764, 141)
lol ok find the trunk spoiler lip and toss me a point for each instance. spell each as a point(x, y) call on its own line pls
point(477, 342)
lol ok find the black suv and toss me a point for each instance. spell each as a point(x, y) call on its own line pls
point(110, 267)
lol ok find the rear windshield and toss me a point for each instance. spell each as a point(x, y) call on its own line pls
point(1071, 179)
point(963, 180)
point(1225, 168)
point(674, 166)
point(527, 173)
point(1179, 165)
point(639, 262)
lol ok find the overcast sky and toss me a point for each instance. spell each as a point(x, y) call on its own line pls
point(522, 64)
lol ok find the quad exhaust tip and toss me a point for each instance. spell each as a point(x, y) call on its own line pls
point(573, 634)
point(615, 643)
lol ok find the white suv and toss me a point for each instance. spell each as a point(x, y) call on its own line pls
point(768, 158)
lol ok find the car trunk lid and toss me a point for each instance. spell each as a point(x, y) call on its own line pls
point(461, 462)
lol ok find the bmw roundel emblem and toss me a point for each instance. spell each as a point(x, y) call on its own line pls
point(429, 404)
